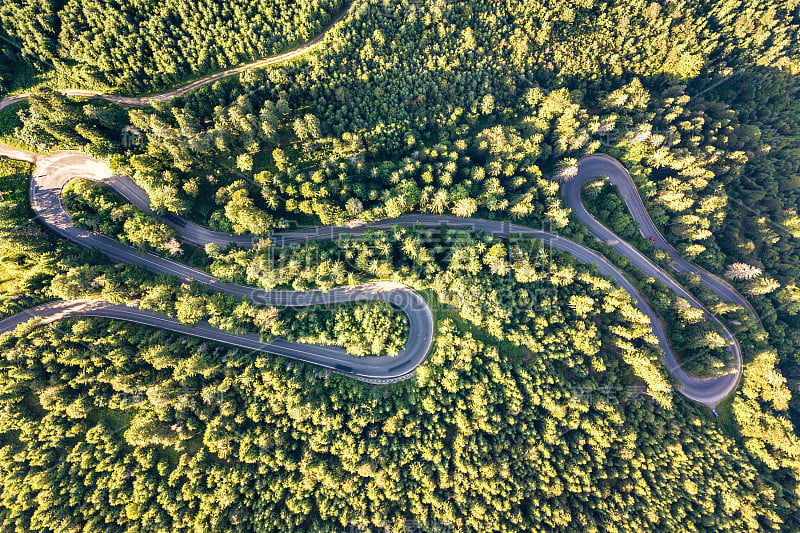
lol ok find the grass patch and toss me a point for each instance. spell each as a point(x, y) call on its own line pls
point(726, 420)
point(117, 420)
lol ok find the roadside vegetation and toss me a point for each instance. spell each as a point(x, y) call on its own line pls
point(95, 207)
point(9, 123)
point(698, 342)
point(135, 47)
point(544, 404)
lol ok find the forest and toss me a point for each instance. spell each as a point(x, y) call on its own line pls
point(700, 344)
point(544, 404)
point(174, 433)
point(141, 46)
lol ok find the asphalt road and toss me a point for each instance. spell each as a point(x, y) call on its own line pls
point(378, 370)
point(712, 390)
point(54, 171)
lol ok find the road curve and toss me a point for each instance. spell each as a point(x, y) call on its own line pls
point(136, 101)
point(377, 370)
point(595, 166)
point(54, 171)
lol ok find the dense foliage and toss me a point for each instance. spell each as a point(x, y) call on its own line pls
point(139, 45)
point(94, 207)
point(528, 415)
point(176, 434)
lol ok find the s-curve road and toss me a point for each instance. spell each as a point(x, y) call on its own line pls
point(596, 166)
point(54, 171)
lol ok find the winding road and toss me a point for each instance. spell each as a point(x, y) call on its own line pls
point(595, 166)
point(54, 171)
